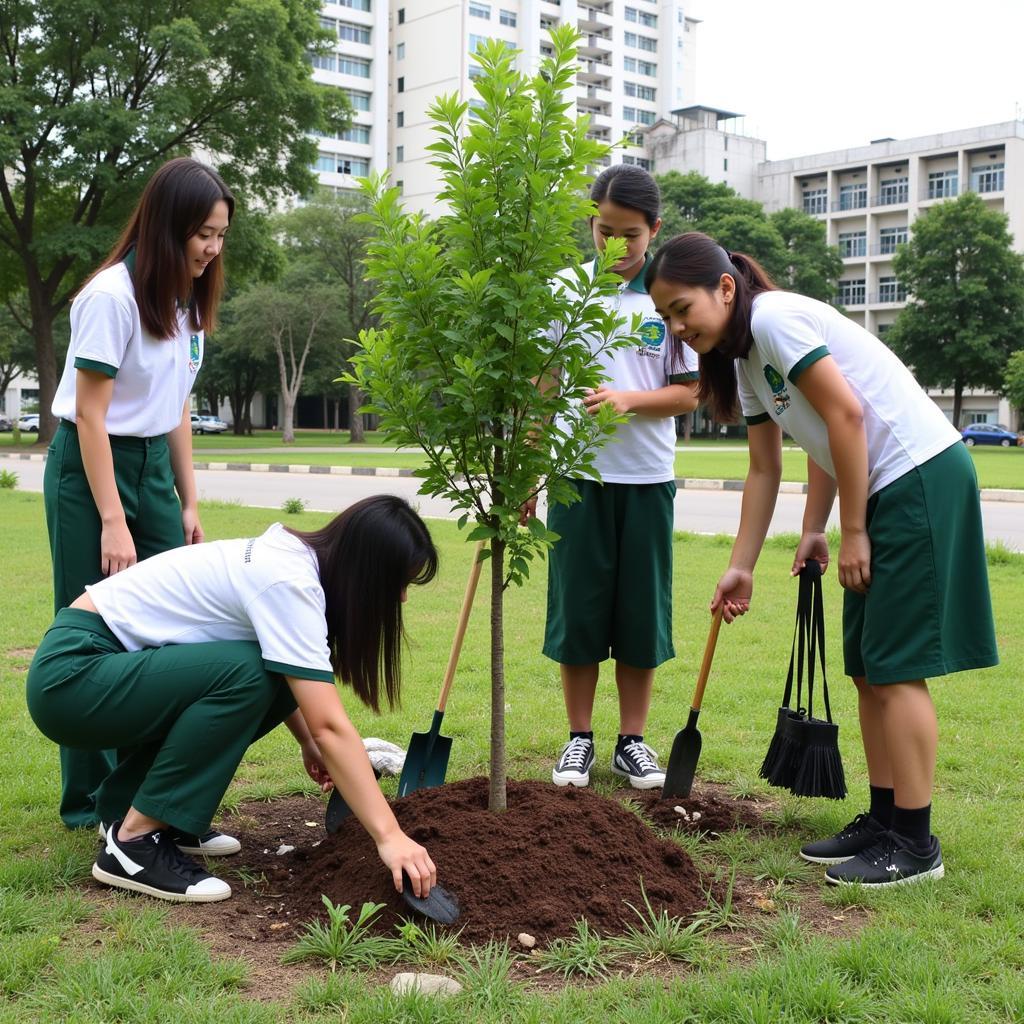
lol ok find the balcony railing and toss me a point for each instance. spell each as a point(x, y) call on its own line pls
point(891, 198)
point(887, 248)
point(888, 297)
point(854, 202)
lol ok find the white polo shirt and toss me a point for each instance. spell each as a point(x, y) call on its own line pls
point(264, 588)
point(152, 377)
point(904, 427)
point(643, 449)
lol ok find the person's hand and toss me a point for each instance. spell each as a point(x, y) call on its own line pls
point(117, 549)
point(733, 593)
point(399, 854)
point(192, 527)
point(618, 400)
point(528, 510)
point(812, 546)
point(855, 561)
point(316, 767)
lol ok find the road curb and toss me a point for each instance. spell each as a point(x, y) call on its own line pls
point(682, 483)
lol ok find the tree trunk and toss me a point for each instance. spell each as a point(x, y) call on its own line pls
point(337, 415)
point(327, 425)
point(287, 418)
point(497, 799)
point(355, 417)
point(958, 399)
point(46, 365)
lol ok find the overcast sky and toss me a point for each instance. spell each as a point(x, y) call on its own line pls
point(818, 75)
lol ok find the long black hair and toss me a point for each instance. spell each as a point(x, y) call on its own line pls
point(368, 555)
point(697, 260)
point(174, 205)
point(629, 186)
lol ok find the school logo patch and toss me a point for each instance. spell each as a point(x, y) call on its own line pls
point(651, 334)
point(193, 353)
point(778, 385)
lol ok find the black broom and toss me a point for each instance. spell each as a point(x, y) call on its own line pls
point(819, 767)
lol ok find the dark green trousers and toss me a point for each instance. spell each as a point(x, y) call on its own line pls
point(145, 482)
point(180, 717)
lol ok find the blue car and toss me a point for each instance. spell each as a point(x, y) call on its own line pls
point(988, 433)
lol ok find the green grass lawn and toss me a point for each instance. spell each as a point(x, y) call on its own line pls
point(943, 954)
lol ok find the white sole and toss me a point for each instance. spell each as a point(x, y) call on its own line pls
point(126, 883)
point(936, 873)
point(196, 851)
point(639, 783)
point(827, 861)
point(579, 781)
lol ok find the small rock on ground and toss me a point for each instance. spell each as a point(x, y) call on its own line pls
point(527, 940)
point(428, 984)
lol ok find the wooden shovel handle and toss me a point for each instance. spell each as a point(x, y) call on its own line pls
point(705, 665)
point(460, 629)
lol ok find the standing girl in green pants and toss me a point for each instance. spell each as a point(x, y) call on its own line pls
point(184, 660)
point(119, 484)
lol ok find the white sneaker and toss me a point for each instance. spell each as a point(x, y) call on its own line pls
point(638, 763)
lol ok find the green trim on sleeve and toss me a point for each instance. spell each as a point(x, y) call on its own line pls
point(95, 364)
point(808, 360)
point(299, 672)
point(753, 421)
point(683, 378)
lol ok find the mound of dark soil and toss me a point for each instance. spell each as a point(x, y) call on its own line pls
point(554, 856)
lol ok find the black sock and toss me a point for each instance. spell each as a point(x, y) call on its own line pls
point(581, 735)
point(914, 824)
point(625, 738)
point(881, 805)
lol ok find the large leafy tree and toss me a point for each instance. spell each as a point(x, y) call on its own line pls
point(467, 305)
point(95, 94)
point(965, 313)
point(1013, 380)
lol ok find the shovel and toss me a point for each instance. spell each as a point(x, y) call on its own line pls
point(682, 764)
point(426, 760)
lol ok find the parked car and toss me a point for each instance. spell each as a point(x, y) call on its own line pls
point(207, 424)
point(29, 423)
point(5, 424)
point(988, 433)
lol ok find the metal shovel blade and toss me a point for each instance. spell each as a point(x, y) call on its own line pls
point(338, 810)
point(440, 905)
point(426, 760)
point(682, 763)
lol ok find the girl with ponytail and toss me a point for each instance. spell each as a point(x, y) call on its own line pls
point(911, 556)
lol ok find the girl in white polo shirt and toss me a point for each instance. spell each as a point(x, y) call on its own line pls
point(610, 575)
point(119, 484)
point(912, 555)
point(184, 660)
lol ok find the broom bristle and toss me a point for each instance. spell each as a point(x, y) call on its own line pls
point(820, 768)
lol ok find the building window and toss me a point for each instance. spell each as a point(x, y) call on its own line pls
point(815, 200)
point(883, 330)
point(401, 84)
point(647, 43)
point(631, 14)
point(343, 65)
point(399, 154)
point(475, 42)
point(630, 39)
point(400, 185)
point(359, 100)
point(629, 63)
point(400, 119)
point(851, 292)
point(400, 51)
point(401, 15)
point(890, 290)
point(725, 163)
point(338, 163)
point(853, 196)
point(943, 184)
point(354, 5)
point(475, 71)
point(853, 244)
point(641, 17)
point(987, 178)
point(507, 18)
point(893, 191)
point(890, 238)
point(641, 92)
point(646, 67)
point(353, 33)
point(629, 114)
point(357, 133)
point(639, 161)
point(478, 10)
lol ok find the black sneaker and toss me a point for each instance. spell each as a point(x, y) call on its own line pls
point(862, 832)
point(154, 865)
point(574, 763)
point(638, 763)
point(209, 844)
point(888, 862)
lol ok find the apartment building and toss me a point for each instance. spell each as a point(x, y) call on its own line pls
point(636, 63)
point(868, 198)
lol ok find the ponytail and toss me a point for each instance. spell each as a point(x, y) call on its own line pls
point(697, 260)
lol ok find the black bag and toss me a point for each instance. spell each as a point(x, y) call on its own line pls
point(803, 756)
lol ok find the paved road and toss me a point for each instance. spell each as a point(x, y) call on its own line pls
point(695, 510)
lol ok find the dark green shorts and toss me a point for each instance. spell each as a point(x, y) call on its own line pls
point(928, 611)
point(610, 576)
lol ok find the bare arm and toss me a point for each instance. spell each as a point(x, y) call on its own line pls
point(821, 493)
point(93, 391)
point(180, 442)
point(825, 387)
point(760, 492)
point(345, 758)
point(659, 403)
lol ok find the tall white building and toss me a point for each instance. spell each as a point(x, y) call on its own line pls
point(636, 63)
